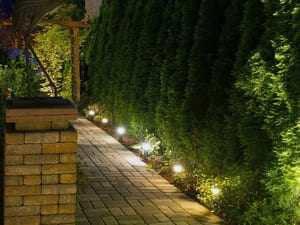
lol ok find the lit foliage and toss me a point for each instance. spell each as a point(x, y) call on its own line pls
point(53, 47)
point(13, 79)
point(153, 143)
point(219, 86)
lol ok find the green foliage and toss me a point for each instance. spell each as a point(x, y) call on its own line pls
point(218, 83)
point(13, 79)
point(52, 45)
point(3, 57)
point(154, 143)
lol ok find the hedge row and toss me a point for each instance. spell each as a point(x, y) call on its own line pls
point(218, 82)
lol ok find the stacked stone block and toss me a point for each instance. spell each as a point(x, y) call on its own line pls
point(40, 175)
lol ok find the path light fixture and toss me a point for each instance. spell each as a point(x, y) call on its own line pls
point(121, 132)
point(215, 190)
point(177, 168)
point(104, 122)
point(91, 114)
point(146, 147)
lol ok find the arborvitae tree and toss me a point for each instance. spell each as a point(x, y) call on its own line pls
point(223, 149)
point(153, 16)
point(167, 71)
point(203, 54)
point(97, 53)
point(152, 92)
point(270, 96)
point(117, 9)
point(172, 90)
point(253, 140)
point(118, 76)
point(130, 49)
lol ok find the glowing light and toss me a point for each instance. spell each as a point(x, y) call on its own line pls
point(104, 120)
point(121, 130)
point(92, 112)
point(177, 168)
point(298, 179)
point(146, 146)
point(215, 190)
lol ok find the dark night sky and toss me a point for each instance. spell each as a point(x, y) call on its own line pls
point(7, 5)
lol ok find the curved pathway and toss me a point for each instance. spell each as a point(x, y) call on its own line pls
point(120, 190)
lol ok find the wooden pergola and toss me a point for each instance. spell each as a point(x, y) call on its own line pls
point(74, 27)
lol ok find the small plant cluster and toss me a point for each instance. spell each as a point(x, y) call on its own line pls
point(152, 146)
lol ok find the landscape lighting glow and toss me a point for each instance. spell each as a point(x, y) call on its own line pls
point(177, 168)
point(215, 190)
point(104, 120)
point(121, 130)
point(92, 113)
point(146, 146)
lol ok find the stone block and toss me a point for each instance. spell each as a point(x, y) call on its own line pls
point(36, 126)
point(59, 169)
point(59, 148)
point(41, 137)
point(14, 160)
point(68, 136)
point(41, 159)
point(22, 220)
point(58, 219)
point(22, 190)
point(67, 199)
point(68, 178)
point(60, 125)
point(67, 209)
point(41, 200)
point(23, 170)
point(68, 158)
point(13, 180)
point(59, 189)
point(49, 209)
point(32, 180)
point(15, 138)
point(23, 149)
point(50, 179)
point(22, 211)
point(13, 201)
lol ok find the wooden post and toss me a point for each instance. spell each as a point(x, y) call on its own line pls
point(75, 64)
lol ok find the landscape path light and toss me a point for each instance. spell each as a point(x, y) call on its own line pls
point(215, 190)
point(104, 122)
point(91, 114)
point(146, 147)
point(177, 168)
point(121, 132)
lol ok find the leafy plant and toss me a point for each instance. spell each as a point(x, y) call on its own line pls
point(152, 142)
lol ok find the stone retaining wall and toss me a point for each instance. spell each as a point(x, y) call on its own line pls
point(40, 176)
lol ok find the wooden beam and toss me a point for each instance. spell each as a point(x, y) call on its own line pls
point(66, 23)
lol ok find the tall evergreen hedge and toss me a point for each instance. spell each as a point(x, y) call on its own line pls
point(218, 83)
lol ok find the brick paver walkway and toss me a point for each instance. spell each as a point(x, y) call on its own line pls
point(120, 190)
